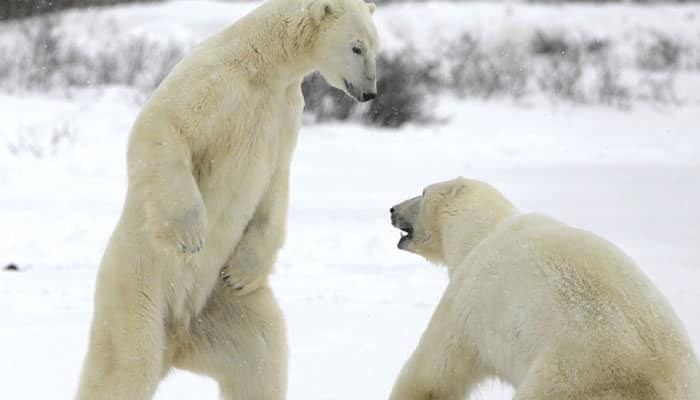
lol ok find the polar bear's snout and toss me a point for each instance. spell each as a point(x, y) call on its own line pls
point(362, 94)
point(403, 217)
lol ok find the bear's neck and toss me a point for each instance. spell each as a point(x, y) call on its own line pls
point(273, 45)
point(458, 246)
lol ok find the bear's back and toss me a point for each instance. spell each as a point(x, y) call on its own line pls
point(541, 283)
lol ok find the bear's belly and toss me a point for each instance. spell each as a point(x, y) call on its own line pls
point(233, 173)
point(229, 211)
point(231, 190)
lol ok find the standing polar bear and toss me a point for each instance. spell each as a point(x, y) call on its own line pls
point(183, 282)
point(556, 311)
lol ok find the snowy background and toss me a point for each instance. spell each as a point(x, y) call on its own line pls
point(610, 142)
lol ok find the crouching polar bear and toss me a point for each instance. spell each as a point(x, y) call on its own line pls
point(183, 282)
point(558, 312)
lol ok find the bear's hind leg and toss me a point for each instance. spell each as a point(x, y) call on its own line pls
point(124, 359)
point(241, 342)
point(546, 380)
point(553, 376)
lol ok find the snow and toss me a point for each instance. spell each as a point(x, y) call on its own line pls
point(355, 305)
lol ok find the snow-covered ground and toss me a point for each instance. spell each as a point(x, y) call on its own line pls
point(355, 305)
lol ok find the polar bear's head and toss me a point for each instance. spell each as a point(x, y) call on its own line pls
point(449, 219)
point(347, 45)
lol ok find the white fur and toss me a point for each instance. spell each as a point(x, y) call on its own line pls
point(556, 311)
point(183, 281)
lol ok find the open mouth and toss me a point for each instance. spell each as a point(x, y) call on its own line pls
point(406, 235)
point(405, 227)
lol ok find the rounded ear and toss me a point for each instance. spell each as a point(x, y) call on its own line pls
point(320, 10)
point(371, 7)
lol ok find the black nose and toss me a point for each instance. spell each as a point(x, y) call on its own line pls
point(368, 96)
point(392, 209)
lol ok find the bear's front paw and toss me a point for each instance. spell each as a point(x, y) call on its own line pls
point(189, 230)
point(243, 278)
point(185, 230)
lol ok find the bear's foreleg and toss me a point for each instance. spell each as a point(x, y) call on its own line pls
point(444, 366)
point(161, 173)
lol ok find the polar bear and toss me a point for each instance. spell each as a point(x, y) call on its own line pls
point(183, 281)
point(556, 311)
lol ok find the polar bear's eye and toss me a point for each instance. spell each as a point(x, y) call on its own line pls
point(356, 50)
